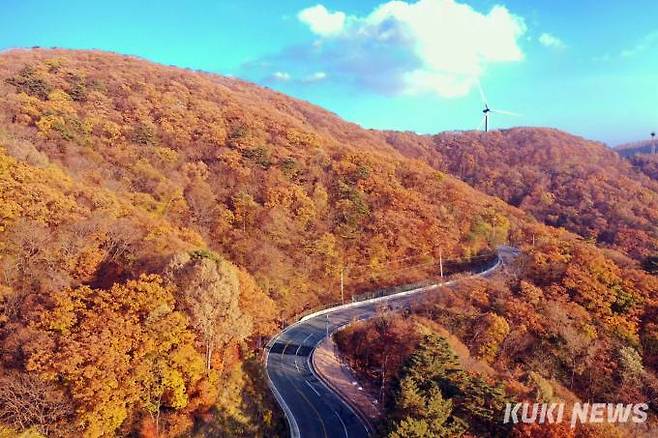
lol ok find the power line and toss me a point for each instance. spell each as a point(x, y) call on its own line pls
point(430, 263)
point(365, 265)
point(408, 268)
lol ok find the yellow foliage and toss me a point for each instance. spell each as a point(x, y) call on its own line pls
point(255, 302)
point(146, 134)
point(493, 329)
point(40, 194)
point(116, 350)
point(302, 139)
point(325, 248)
point(48, 122)
point(60, 102)
point(30, 105)
point(6, 432)
point(294, 199)
point(167, 155)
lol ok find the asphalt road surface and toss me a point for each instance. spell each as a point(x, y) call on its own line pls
point(312, 408)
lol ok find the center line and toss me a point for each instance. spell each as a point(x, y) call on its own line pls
point(343, 423)
point(311, 386)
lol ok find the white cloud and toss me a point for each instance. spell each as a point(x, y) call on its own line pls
point(321, 21)
point(548, 40)
point(316, 77)
point(437, 46)
point(646, 43)
point(649, 41)
point(281, 76)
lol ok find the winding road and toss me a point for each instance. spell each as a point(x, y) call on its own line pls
point(313, 409)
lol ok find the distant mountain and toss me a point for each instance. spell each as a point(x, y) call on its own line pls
point(641, 156)
point(563, 180)
point(638, 147)
point(647, 164)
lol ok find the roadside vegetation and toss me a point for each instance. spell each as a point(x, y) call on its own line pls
point(564, 323)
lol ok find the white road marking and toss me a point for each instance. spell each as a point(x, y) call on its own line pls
point(300, 345)
point(311, 386)
point(297, 353)
point(357, 306)
point(343, 423)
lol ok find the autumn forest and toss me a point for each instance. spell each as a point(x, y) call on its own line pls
point(159, 225)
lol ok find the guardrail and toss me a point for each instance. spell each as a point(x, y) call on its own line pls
point(495, 263)
point(450, 268)
point(484, 266)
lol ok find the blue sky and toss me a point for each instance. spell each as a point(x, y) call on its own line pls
point(587, 67)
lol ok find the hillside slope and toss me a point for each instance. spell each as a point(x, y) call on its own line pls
point(151, 196)
point(562, 180)
point(639, 147)
point(647, 164)
point(156, 224)
point(277, 185)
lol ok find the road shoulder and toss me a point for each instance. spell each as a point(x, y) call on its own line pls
point(339, 377)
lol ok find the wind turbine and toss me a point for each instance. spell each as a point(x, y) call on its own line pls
point(487, 110)
point(653, 142)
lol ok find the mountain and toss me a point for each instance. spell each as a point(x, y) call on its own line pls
point(641, 156)
point(158, 224)
point(562, 180)
point(265, 180)
point(628, 150)
point(137, 199)
point(647, 164)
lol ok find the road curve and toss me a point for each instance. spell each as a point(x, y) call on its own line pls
point(312, 409)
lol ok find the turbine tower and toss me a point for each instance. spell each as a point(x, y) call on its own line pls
point(487, 111)
point(653, 142)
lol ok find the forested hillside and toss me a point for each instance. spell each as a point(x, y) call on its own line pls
point(639, 147)
point(157, 224)
point(562, 180)
point(646, 163)
point(568, 325)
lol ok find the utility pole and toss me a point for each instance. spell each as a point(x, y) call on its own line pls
point(342, 285)
point(441, 262)
point(327, 324)
point(383, 382)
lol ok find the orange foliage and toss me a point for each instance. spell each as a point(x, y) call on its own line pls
point(111, 167)
point(560, 179)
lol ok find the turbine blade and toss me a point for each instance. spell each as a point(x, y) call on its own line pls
point(508, 113)
point(482, 95)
